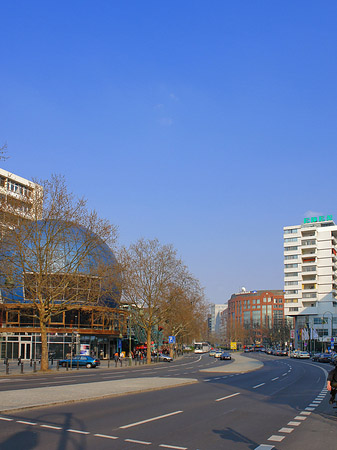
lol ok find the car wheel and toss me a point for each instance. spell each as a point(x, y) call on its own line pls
point(88, 365)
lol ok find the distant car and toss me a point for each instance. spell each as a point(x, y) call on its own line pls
point(303, 355)
point(218, 353)
point(322, 357)
point(81, 361)
point(165, 358)
point(212, 352)
point(225, 356)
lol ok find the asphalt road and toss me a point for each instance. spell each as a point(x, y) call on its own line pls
point(282, 406)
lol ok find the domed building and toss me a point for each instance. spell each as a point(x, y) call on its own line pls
point(73, 271)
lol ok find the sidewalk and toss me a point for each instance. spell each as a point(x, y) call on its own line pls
point(53, 395)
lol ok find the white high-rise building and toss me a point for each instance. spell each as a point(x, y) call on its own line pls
point(310, 276)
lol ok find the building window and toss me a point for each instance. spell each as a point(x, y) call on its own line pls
point(292, 231)
point(293, 309)
point(291, 274)
point(290, 249)
point(291, 257)
point(290, 266)
point(290, 239)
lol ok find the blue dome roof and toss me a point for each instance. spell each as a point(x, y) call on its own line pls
point(55, 247)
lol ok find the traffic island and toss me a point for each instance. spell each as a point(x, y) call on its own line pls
point(239, 364)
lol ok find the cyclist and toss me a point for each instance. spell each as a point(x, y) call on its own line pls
point(332, 384)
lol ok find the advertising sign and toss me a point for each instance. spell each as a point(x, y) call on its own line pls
point(233, 346)
point(85, 349)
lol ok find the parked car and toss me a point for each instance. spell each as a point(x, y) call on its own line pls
point(166, 358)
point(81, 360)
point(225, 356)
point(303, 355)
point(322, 357)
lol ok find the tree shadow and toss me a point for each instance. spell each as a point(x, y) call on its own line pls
point(30, 438)
point(229, 434)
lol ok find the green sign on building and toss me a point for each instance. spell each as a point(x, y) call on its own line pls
point(317, 219)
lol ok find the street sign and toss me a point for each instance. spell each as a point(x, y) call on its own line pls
point(233, 346)
point(172, 339)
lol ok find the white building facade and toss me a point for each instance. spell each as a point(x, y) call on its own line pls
point(216, 322)
point(310, 279)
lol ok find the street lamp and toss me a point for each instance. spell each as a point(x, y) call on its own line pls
point(323, 322)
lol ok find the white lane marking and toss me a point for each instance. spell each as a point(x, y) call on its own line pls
point(228, 396)
point(258, 385)
point(294, 424)
point(77, 431)
point(286, 430)
point(276, 438)
point(310, 409)
point(207, 380)
point(217, 378)
point(172, 446)
point(264, 447)
point(150, 420)
point(275, 378)
point(305, 413)
point(25, 422)
point(51, 427)
point(300, 418)
point(106, 436)
point(6, 419)
point(138, 442)
point(284, 374)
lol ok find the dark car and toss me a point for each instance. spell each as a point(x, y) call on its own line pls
point(81, 361)
point(324, 358)
point(225, 356)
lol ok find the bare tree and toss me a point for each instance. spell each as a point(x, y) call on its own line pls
point(183, 311)
point(148, 271)
point(58, 258)
point(3, 151)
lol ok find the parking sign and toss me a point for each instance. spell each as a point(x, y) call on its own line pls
point(172, 339)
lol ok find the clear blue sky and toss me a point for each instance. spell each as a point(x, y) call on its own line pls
point(209, 125)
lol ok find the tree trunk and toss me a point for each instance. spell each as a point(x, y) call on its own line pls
point(44, 347)
point(148, 342)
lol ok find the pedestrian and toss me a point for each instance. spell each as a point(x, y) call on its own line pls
point(332, 384)
point(19, 360)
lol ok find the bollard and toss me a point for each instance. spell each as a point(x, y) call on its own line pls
point(34, 370)
point(58, 365)
point(116, 361)
point(78, 364)
point(31, 363)
point(7, 367)
point(108, 363)
point(21, 367)
point(67, 366)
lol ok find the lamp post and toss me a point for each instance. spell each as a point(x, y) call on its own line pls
point(323, 322)
point(129, 330)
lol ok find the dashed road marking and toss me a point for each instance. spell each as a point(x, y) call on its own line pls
point(305, 413)
point(172, 446)
point(286, 430)
point(294, 424)
point(6, 419)
point(106, 436)
point(52, 427)
point(265, 447)
point(275, 378)
point(258, 385)
point(228, 396)
point(276, 438)
point(138, 442)
point(77, 431)
point(150, 420)
point(26, 423)
point(300, 418)
point(310, 409)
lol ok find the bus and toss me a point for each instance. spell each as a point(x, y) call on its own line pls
point(201, 347)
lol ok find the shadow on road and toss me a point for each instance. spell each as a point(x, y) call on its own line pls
point(231, 435)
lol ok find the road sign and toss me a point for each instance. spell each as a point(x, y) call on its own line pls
point(172, 339)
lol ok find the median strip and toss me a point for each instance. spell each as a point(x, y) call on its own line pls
point(150, 420)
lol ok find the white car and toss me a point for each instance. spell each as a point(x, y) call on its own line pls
point(217, 354)
point(303, 355)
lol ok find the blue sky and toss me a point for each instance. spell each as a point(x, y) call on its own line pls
point(209, 125)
